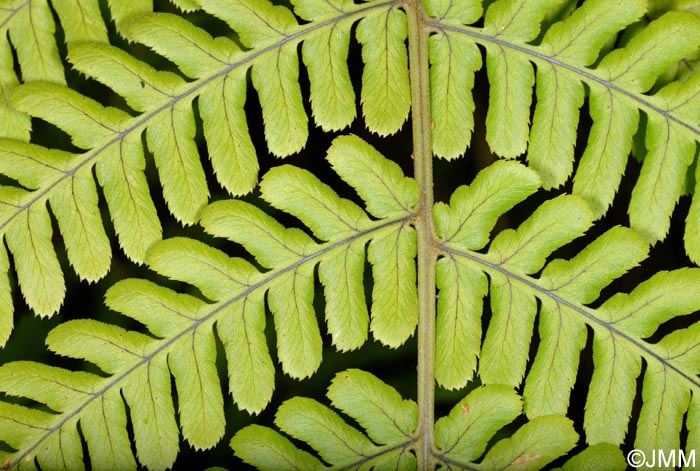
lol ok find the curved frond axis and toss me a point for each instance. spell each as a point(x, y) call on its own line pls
point(565, 288)
point(621, 346)
point(164, 347)
point(586, 75)
point(594, 321)
point(182, 326)
point(161, 349)
point(113, 138)
point(389, 434)
point(388, 421)
point(619, 85)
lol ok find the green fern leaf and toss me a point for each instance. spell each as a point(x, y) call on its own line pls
point(389, 193)
point(474, 209)
point(85, 120)
point(617, 93)
point(275, 77)
point(577, 40)
point(124, 10)
point(6, 314)
point(170, 134)
point(377, 407)
point(291, 298)
point(251, 376)
point(636, 68)
point(193, 50)
point(659, 182)
point(564, 287)
point(459, 12)
point(461, 437)
point(74, 205)
point(331, 93)
point(389, 422)
point(385, 88)
point(679, 96)
point(269, 449)
point(464, 434)
point(299, 192)
point(524, 251)
point(638, 315)
point(553, 224)
point(282, 95)
point(601, 456)
point(112, 138)
point(74, 198)
point(457, 338)
point(186, 5)
point(29, 240)
point(533, 446)
point(197, 54)
point(81, 21)
point(667, 401)
point(603, 260)
point(31, 29)
point(508, 116)
point(304, 418)
point(454, 61)
point(181, 325)
point(467, 221)
point(394, 305)
point(145, 386)
point(107, 439)
point(155, 386)
point(16, 125)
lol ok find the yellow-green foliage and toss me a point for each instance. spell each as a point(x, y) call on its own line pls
point(509, 317)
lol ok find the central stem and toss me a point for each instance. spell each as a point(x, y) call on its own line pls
point(426, 254)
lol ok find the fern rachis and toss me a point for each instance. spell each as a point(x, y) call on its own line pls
point(505, 317)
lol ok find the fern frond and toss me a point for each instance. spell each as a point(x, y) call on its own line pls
point(600, 456)
point(564, 288)
point(143, 388)
point(181, 326)
point(388, 195)
point(509, 109)
point(390, 422)
point(637, 316)
point(81, 21)
point(124, 10)
point(467, 221)
point(31, 28)
point(16, 125)
point(181, 348)
point(111, 138)
point(66, 182)
point(385, 93)
point(567, 58)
